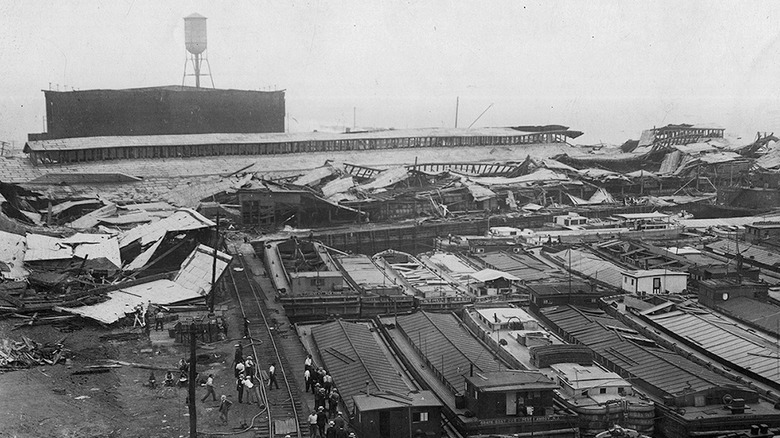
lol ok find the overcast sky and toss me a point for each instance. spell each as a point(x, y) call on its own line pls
point(607, 68)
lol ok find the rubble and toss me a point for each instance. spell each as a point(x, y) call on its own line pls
point(28, 353)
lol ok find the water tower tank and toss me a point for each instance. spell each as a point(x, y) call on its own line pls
point(195, 33)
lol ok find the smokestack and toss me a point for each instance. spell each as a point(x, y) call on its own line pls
point(368, 388)
point(471, 369)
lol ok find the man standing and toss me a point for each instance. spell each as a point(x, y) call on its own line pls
point(307, 379)
point(240, 369)
point(327, 381)
point(313, 430)
point(272, 376)
point(322, 420)
point(209, 389)
point(240, 387)
point(224, 407)
point(308, 363)
point(249, 366)
point(158, 320)
point(333, 401)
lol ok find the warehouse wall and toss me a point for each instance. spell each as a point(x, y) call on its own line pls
point(161, 110)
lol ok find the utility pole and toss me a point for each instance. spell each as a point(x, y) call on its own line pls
point(214, 271)
point(191, 389)
point(457, 104)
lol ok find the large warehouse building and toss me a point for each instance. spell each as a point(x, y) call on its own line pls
point(161, 111)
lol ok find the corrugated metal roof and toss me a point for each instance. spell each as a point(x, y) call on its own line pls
point(522, 266)
point(196, 270)
point(12, 256)
point(720, 336)
point(447, 345)
point(664, 370)
point(764, 314)
point(591, 265)
point(124, 300)
point(750, 252)
point(353, 355)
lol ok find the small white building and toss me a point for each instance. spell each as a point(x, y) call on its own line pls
point(577, 382)
point(570, 220)
point(654, 281)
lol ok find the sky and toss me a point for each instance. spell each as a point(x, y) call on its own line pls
point(608, 68)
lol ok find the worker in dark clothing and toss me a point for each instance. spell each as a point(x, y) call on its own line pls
point(333, 401)
point(339, 421)
point(272, 376)
point(240, 387)
point(322, 420)
point(238, 356)
point(246, 328)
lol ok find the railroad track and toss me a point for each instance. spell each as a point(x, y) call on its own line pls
point(283, 410)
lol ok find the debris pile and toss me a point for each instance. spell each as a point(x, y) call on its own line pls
point(16, 355)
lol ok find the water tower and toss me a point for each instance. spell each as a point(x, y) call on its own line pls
point(195, 43)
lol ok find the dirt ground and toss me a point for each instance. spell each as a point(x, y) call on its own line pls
point(49, 401)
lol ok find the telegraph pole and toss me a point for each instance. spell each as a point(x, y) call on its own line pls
point(211, 297)
point(191, 388)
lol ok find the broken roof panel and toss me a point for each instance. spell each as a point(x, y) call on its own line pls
point(695, 148)
point(184, 219)
point(138, 216)
point(479, 192)
point(91, 220)
point(540, 175)
point(40, 247)
point(339, 185)
point(108, 249)
point(79, 238)
point(387, 178)
point(123, 301)
point(196, 271)
point(314, 176)
point(12, 256)
point(721, 157)
point(145, 257)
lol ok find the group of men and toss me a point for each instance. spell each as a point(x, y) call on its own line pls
point(320, 382)
point(320, 427)
point(144, 314)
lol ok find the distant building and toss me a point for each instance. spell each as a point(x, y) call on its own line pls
point(714, 293)
point(559, 294)
point(758, 231)
point(654, 281)
point(570, 220)
point(392, 415)
point(160, 111)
